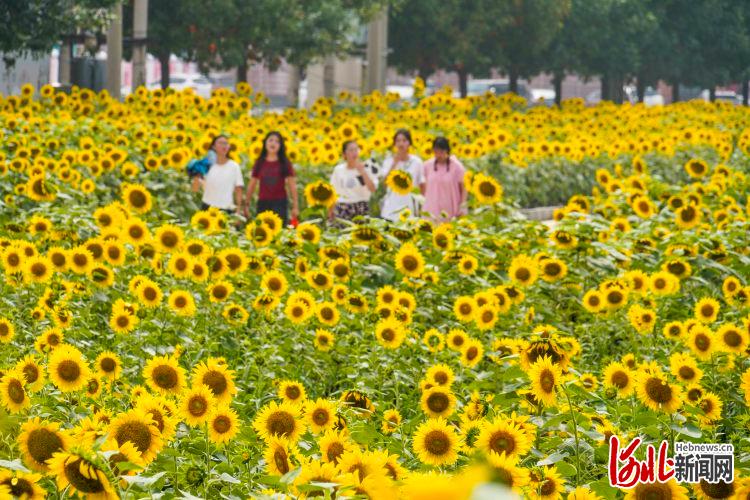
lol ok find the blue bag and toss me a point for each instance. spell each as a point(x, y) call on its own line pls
point(202, 166)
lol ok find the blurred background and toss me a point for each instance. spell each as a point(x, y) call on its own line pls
point(294, 51)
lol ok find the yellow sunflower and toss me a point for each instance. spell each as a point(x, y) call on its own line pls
point(164, 375)
point(320, 415)
point(39, 440)
point(503, 436)
point(217, 377)
point(196, 405)
point(67, 369)
point(223, 424)
point(436, 443)
point(278, 420)
point(409, 260)
point(545, 377)
point(654, 391)
point(137, 427)
point(81, 476)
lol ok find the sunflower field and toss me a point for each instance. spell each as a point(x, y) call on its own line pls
point(152, 350)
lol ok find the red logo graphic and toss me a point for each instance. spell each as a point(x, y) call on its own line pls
point(635, 471)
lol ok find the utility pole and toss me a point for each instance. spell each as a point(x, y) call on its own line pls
point(114, 53)
point(140, 31)
point(377, 52)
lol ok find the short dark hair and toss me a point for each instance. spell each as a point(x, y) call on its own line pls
point(346, 145)
point(405, 133)
point(216, 138)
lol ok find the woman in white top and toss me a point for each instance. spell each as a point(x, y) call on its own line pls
point(353, 184)
point(393, 203)
point(222, 181)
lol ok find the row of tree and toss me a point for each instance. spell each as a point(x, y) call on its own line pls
point(217, 34)
point(696, 43)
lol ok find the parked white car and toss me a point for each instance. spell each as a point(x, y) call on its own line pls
point(179, 81)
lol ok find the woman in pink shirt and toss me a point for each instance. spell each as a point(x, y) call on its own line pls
point(445, 193)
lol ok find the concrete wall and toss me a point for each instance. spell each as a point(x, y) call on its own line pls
point(33, 70)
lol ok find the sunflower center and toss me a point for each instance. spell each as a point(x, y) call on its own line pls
point(547, 381)
point(149, 293)
point(165, 376)
point(19, 488)
point(615, 297)
point(169, 239)
point(504, 476)
point(123, 320)
point(686, 372)
point(388, 335)
point(658, 391)
point(548, 487)
point(198, 406)
point(216, 381)
point(552, 269)
point(137, 199)
point(69, 370)
point(42, 444)
point(292, 392)
point(281, 460)
point(438, 402)
point(732, 338)
point(702, 342)
point(222, 424)
point(320, 416)
point(38, 269)
point(487, 189)
point(220, 292)
point(717, 490)
point(471, 353)
point(707, 310)
point(58, 259)
point(410, 263)
point(31, 373)
point(523, 274)
point(80, 482)
point(137, 433)
point(281, 423)
point(93, 386)
point(441, 378)
point(437, 442)
point(502, 441)
point(158, 419)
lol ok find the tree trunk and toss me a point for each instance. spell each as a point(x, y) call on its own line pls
point(712, 94)
point(640, 88)
point(676, 92)
point(164, 62)
point(616, 92)
point(513, 79)
point(745, 91)
point(463, 81)
point(242, 71)
point(605, 88)
point(292, 90)
point(557, 80)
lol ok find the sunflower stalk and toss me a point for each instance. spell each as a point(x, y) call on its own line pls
point(575, 435)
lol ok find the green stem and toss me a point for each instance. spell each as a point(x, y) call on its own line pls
point(575, 435)
point(208, 461)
